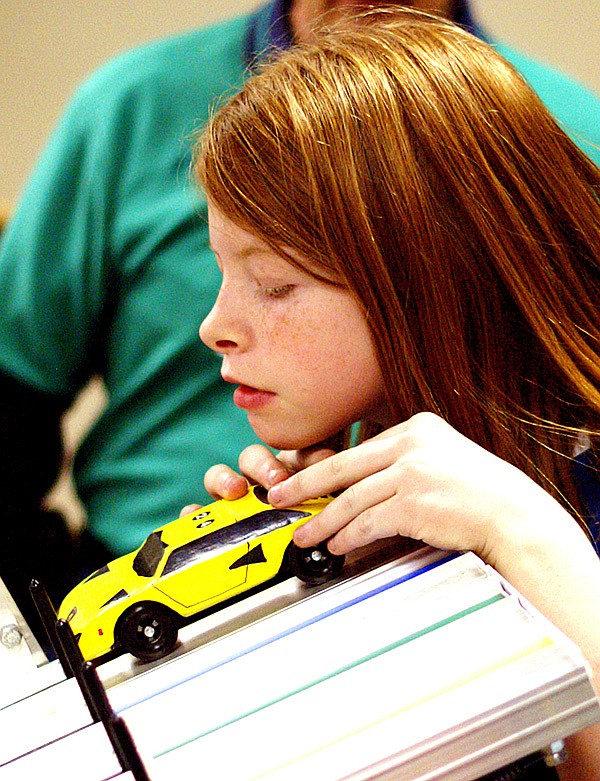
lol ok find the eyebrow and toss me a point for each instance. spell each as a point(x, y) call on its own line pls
point(254, 249)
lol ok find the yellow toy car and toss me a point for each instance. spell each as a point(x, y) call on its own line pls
point(137, 602)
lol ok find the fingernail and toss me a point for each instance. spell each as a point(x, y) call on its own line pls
point(332, 546)
point(273, 477)
point(189, 508)
point(275, 494)
point(230, 487)
point(301, 534)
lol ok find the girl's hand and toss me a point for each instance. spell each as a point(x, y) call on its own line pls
point(424, 480)
point(258, 465)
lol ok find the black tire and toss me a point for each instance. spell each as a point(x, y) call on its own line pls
point(148, 630)
point(315, 565)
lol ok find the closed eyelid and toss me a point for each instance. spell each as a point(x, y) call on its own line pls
point(276, 291)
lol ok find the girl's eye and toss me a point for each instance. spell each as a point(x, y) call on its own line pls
point(277, 292)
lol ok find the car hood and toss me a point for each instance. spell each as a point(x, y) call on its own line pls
point(102, 588)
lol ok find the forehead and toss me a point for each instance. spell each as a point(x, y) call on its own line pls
point(228, 239)
point(230, 242)
point(228, 236)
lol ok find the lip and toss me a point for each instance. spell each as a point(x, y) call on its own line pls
point(249, 398)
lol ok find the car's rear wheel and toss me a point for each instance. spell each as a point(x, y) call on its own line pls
point(148, 630)
point(315, 565)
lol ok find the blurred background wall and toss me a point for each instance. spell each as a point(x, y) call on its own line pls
point(48, 46)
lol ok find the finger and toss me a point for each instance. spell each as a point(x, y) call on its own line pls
point(295, 460)
point(261, 466)
point(354, 505)
point(334, 473)
point(222, 482)
point(422, 428)
point(377, 522)
point(189, 508)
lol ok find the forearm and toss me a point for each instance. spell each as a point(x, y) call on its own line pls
point(548, 558)
point(544, 554)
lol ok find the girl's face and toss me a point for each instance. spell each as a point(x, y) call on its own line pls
point(298, 349)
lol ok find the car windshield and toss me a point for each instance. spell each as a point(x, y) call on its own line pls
point(239, 532)
point(149, 555)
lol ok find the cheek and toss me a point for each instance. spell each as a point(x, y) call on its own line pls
point(331, 355)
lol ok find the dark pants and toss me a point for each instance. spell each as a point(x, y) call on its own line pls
point(47, 552)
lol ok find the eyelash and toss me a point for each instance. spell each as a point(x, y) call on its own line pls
point(277, 292)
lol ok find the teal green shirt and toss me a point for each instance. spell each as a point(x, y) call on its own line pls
point(105, 269)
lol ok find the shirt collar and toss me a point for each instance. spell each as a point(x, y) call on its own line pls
point(464, 17)
point(270, 27)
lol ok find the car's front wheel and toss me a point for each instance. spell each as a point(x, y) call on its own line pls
point(315, 565)
point(147, 630)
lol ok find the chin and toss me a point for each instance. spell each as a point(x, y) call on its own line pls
point(288, 440)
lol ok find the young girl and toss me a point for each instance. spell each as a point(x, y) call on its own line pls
point(407, 239)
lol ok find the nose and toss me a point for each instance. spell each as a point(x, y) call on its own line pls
point(222, 329)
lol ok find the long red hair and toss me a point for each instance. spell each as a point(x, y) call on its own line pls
point(406, 159)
